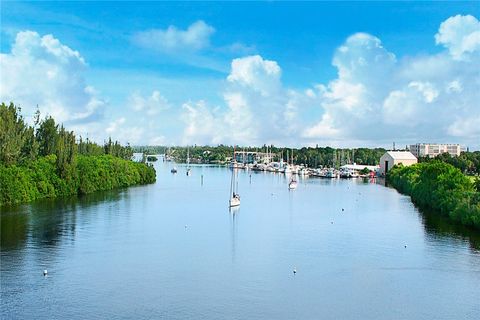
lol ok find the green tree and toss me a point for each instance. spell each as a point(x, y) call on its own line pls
point(13, 134)
point(47, 135)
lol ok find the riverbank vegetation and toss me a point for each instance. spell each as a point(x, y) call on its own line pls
point(46, 160)
point(310, 156)
point(439, 187)
point(467, 162)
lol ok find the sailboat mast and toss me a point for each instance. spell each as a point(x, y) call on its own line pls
point(232, 180)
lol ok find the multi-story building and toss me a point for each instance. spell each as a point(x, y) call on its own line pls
point(434, 149)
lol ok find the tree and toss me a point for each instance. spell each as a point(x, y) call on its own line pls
point(47, 135)
point(13, 133)
point(65, 150)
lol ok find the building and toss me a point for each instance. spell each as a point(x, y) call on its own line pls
point(250, 157)
point(359, 167)
point(391, 158)
point(434, 149)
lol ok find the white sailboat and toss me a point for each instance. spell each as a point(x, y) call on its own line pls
point(292, 185)
point(189, 171)
point(234, 196)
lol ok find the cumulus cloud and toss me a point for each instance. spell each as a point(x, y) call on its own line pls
point(42, 71)
point(195, 37)
point(461, 35)
point(256, 107)
point(255, 73)
point(377, 97)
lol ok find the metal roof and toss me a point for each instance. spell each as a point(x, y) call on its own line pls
point(402, 155)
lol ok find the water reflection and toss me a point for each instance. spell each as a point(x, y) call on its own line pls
point(13, 230)
point(49, 221)
point(233, 213)
point(441, 227)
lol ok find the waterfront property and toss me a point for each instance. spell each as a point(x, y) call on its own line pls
point(359, 167)
point(251, 157)
point(391, 158)
point(434, 149)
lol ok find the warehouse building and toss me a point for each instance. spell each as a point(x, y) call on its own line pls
point(391, 158)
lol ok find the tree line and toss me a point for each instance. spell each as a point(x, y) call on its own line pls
point(46, 160)
point(310, 156)
point(441, 187)
point(467, 162)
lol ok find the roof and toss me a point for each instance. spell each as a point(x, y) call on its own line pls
point(359, 167)
point(401, 155)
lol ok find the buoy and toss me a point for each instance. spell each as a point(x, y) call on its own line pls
point(45, 272)
point(331, 222)
point(185, 226)
point(343, 209)
point(405, 246)
point(294, 270)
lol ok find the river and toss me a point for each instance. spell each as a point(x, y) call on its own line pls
point(174, 250)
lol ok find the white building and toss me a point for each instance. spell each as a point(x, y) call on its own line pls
point(391, 158)
point(359, 167)
point(434, 149)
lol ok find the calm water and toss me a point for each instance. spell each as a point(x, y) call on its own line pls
point(173, 250)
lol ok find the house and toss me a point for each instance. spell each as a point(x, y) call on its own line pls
point(391, 158)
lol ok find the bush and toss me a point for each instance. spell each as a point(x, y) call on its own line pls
point(439, 186)
point(40, 179)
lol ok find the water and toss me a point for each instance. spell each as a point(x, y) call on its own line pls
point(173, 250)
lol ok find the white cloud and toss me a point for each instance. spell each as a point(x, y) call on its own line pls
point(257, 108)
point(42, 71)
point(255, 73)
point(466, 127)
point(195, 37)
point(379, 98)
point(150, 105)
point(114, 125)
point(202, 125)
point(376, 98)
point(461, 35)
point(120, 130)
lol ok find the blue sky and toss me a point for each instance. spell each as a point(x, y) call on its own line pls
point(164, 73)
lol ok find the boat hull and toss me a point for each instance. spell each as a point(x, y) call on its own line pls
point(234, 202)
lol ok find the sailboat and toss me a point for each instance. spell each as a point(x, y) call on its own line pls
point(189, 172)
point(234, 196)
point(292, 185)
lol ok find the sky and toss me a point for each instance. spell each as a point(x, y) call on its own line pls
point(343, 74)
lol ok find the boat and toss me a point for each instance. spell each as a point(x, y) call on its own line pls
point(234, 196)
point(189, 171)
point(292, 185)
point(174, 170)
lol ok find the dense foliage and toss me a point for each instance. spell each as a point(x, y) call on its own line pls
point(467, 162)
point(45, 160)
point(40, 179)
point(311, 156)
point(441, 187)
